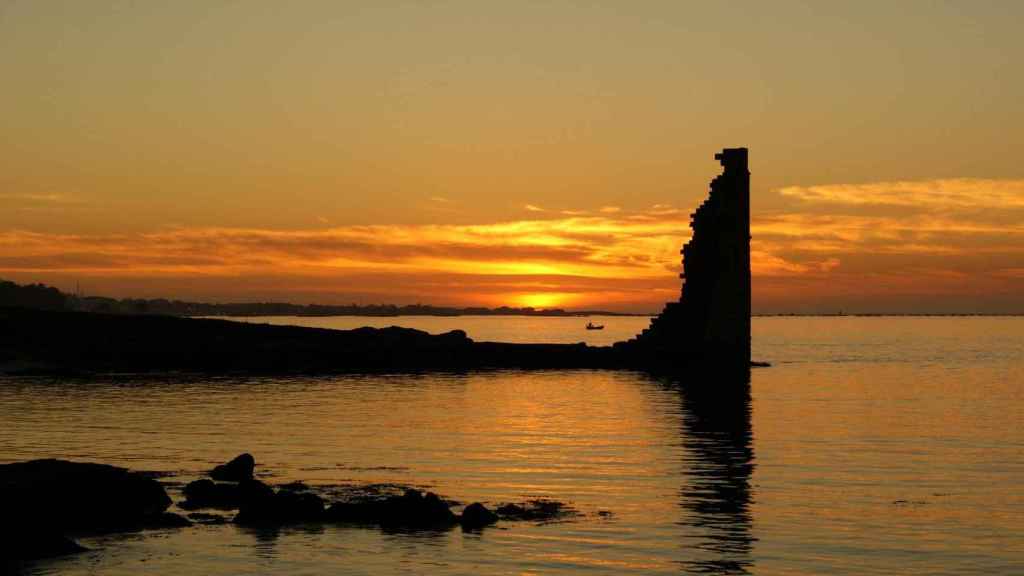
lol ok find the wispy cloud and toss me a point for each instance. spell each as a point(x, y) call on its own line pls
point(52, 198)
point(942, 245)
point(533, 208)
point(953, 193)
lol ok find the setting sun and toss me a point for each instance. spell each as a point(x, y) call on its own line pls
point(543, 299)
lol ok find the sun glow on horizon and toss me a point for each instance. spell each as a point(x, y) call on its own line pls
point(813, 256)
point(544, 300)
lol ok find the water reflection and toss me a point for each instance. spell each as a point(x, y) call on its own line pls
point(265, 540)
point(719, 461)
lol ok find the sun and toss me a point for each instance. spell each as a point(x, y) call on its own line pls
point(543, 299)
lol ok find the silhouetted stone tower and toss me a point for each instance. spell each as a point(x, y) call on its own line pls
point(711, 321)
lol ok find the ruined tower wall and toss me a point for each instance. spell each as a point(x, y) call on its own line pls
point(711, 320)
point(725, 330)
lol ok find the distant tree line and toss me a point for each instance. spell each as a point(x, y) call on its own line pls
point(44, 297)
point(36, 296)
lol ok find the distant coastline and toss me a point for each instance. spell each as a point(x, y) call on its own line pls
point(39, 296)
point(200, 309)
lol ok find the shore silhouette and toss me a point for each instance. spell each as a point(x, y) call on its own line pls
point(707, 328)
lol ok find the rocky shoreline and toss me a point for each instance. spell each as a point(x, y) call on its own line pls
point(82, 343)
point(50, 503)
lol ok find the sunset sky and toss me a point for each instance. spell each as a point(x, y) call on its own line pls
point(522, 153)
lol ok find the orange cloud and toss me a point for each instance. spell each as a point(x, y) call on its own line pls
point(937, 247)
point(952, 193)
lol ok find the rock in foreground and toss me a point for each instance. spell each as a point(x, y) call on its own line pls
point(206, 493)
point(80, 496)
point(281, 507)
point(411, 510)
point(44, 500)
point(238, 469)
point(540, 510)
point(40, 341)
point(477, 516)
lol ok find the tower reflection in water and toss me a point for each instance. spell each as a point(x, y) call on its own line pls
point(719, 461)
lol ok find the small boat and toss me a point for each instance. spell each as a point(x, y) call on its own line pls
point(592, 326)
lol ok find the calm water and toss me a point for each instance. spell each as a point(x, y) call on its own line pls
point(872, 446)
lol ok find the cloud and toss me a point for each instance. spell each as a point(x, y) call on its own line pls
point(533, 208)
point(662, 210)
point(953, 193)
point(40, 202)
point(802, 255)
point(577, 246)
point(936, 245)
point(39, 198)
point(610, 209)
point(597, 258)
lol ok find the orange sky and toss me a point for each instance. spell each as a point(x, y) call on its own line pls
point(470, 153)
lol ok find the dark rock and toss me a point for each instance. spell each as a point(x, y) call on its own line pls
point(240, 468)
point(301, 506)
point(411, 510)
point(52, 343)
point(206, 493)
point(283, 507)
point(167, 520)
point(61, 495)
point(253, 490)
point(43, 500)
point(199, 489)
point(358, 512)
point(476, 516)
point(535, 510)
point(512, 511)
point(415, 509)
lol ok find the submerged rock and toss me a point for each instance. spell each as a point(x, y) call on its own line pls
point(279, 508)
point(358, 512)
point(476, 516)
point(238, 469)
point(206, 493)
point(539, 510)
point(413, 510)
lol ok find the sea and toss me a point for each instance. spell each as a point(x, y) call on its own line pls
point(872, 445)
